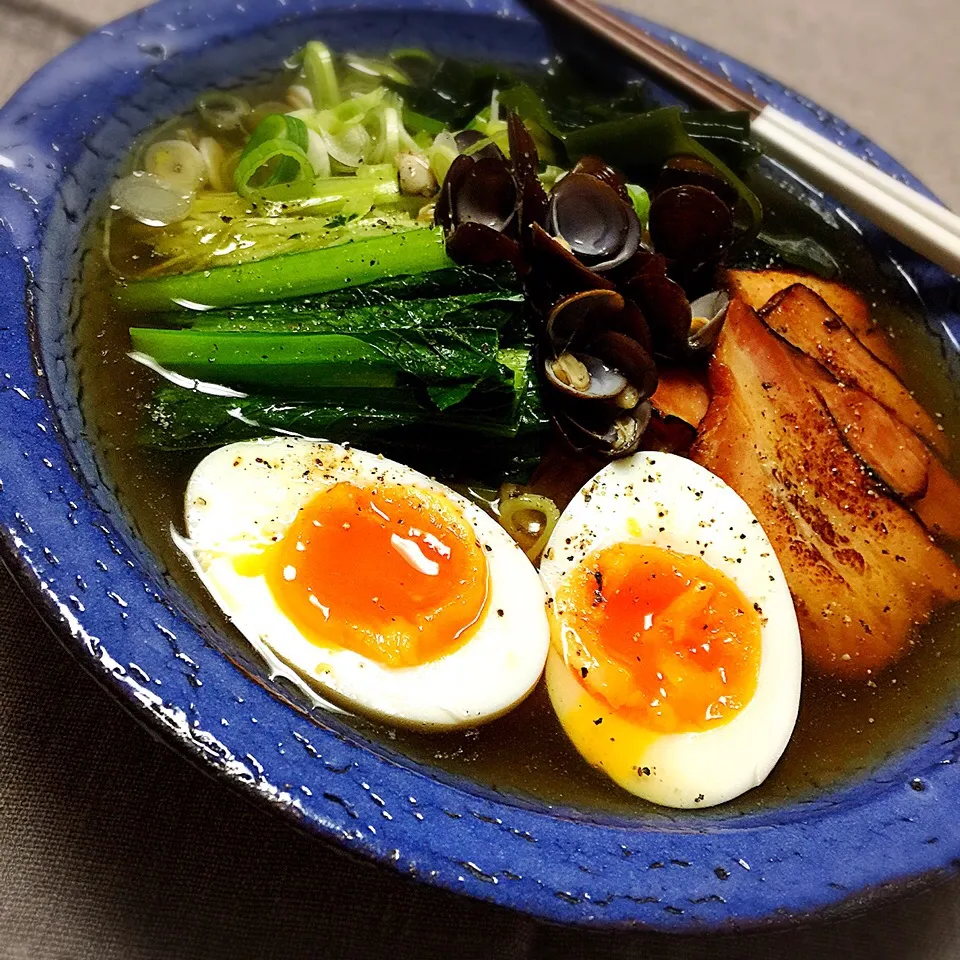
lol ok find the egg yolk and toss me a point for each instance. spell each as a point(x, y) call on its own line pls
point(393, 573)
point(662, 638)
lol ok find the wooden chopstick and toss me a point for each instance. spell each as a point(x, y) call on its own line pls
point(917, 221)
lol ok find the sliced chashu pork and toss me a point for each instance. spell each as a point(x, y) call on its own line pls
point(681, 393)
point(804, 320)
point(885, 444)
point(939, 507)
point(878, 435)
point(757, 287)
point(862, 570)
point(893, 452)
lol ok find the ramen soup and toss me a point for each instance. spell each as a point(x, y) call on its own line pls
point(532, 429)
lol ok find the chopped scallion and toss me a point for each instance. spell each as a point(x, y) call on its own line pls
point(177, 163)
point(147, 198)
point(321, 75)
point(380, 69)
point(214, 161)
point(281, 139)
point(222, 111)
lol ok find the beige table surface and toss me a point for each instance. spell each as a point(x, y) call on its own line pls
point(113, 847)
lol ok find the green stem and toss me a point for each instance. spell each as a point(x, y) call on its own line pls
point(252, 361)
point(294, 274)
point(302, 316)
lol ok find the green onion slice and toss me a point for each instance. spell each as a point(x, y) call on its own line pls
point(640, 200)
point(321, 75)
point(528, 517)
point(299, 97)
point(418, 64)
point(441, 154)
point(147, 198)
point(280, 141)
point(388, 134)
point(349, 146)
point(214, 161)
point(177, 162)
point(371, 67)
point(263, 110)
point(318, 154)
point(352, 111)
point(221, 110)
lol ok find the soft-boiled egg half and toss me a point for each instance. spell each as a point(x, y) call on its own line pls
point(384, 590)
point(675, 661)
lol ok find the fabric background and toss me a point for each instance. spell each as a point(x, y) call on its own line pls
point(113, 847)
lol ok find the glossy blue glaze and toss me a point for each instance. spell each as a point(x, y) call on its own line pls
point(71, 545)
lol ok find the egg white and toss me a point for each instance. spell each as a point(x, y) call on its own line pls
point(244, 495)
point(667, 501)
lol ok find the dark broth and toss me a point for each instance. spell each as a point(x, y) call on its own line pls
point(846, 728)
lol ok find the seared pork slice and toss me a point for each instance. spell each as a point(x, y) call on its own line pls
point(756, 287)
point(888, 447)
point(681, 393)
point(892, 451)
point(939, 507)
point(862, 570)
point(804, 320)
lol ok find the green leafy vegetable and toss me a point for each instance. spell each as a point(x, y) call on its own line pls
point(428, 295)
point(452, 281)
point(491, 436)
point(445, 396)
point(342, 265)
point(223, 229)
point(308, 315)
point(292, 364)
point(179, 419)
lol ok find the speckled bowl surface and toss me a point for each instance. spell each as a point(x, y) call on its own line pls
point(71, 545)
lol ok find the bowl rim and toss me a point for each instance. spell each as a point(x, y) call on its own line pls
point(75, 562)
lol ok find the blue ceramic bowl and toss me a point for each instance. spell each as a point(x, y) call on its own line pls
point(71, 545)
